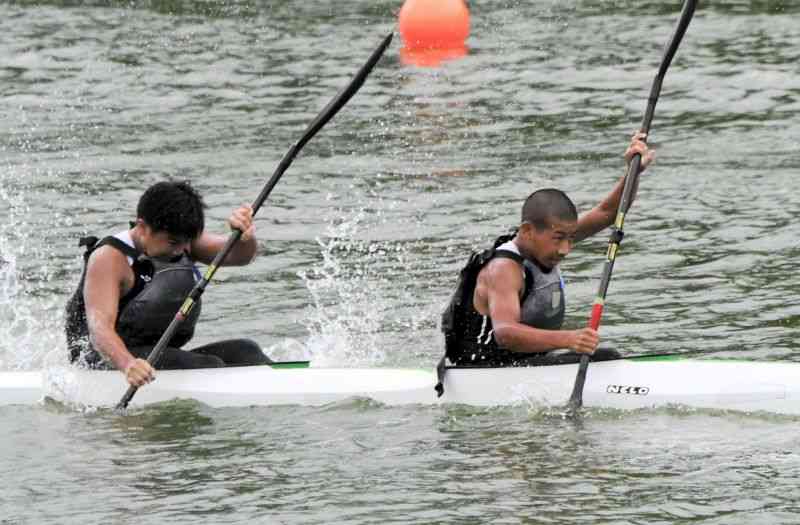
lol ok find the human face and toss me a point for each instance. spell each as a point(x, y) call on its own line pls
point(550, 245)
point(161, 244)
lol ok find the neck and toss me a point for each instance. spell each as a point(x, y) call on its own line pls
point(136, 238)
point(522, 251)
point(530, 257)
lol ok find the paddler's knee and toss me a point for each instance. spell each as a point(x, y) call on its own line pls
point(249, 353)
point(187, 360)
point(605, 354)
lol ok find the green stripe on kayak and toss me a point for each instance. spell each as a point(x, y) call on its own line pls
point(290, 364)
point(694, 356)
point(668, 357)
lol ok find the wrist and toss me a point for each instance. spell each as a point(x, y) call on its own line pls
point(126, 365)
point(571, 340)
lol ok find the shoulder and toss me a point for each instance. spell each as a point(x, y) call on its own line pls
point(502, 272)
point(107, 261)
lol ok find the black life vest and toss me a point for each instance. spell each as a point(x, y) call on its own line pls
point(459, 318)
point(144, 313)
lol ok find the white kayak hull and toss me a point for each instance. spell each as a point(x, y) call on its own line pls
point(631, 384)
point(623, 384)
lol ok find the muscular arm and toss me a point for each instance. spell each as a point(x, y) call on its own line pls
point(105, 279)
point(106, 275)
point(208, 245)
point(603, 215)
point(497, 293)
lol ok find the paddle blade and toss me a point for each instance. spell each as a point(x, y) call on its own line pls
point(123, 403)
point(346, 93)
point(322, 118)
point(576, 399)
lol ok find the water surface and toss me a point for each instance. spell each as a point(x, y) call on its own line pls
point(361, 241)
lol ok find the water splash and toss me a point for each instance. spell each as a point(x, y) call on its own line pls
point(288, 350)
point(19, 323)
point(346, 313)
point(27, 339)
point(358, 314)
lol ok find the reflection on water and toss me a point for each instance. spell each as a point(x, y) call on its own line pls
point(176, 421)
point(430, 57)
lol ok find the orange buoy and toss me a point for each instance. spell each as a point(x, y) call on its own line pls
point(438, 24)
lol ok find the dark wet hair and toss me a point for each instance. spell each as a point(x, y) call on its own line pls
point(542, 206)
point(173, 207)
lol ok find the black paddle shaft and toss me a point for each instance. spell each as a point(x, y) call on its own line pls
point(322, 118)
point(631, 181)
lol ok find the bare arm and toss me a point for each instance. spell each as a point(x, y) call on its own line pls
point(106, 274)
point(208, 245)
point(497, 293)
point(603, 215)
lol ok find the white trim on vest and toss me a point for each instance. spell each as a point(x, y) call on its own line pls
point(125, 236)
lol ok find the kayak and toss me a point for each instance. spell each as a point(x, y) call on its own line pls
point(294, 383)
point(625, 383)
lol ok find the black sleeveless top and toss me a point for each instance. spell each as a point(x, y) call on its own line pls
point(144, 313)
point(469, 336)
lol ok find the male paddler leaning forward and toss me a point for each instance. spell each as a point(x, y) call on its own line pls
point(508, 308)
point(134, 282)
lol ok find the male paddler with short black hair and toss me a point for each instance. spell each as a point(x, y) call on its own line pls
point(509, 305)
point(135, 281)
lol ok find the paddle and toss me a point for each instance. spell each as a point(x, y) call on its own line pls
point(322, 118)
point(631, 181)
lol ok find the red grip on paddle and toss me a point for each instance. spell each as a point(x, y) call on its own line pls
point(597, 313)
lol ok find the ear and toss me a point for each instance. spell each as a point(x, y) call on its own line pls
point(525, 229)
point(142, 226)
